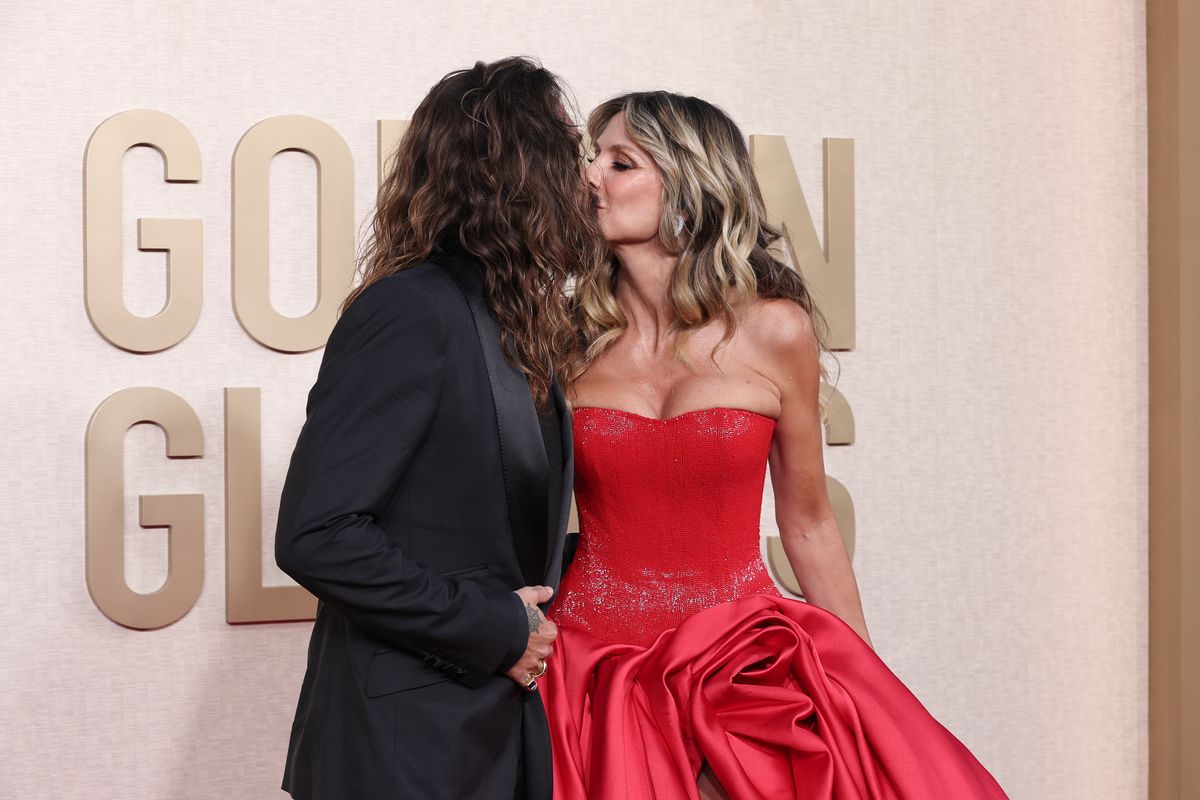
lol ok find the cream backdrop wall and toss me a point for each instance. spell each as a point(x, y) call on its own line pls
point(998, 384)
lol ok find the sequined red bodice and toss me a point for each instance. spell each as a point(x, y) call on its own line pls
point(668, 515)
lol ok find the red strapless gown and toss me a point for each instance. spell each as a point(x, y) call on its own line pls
point(676, 649)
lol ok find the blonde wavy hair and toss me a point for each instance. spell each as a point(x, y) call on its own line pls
point(725, 244)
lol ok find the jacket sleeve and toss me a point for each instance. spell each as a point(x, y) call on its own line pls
point(374, 399)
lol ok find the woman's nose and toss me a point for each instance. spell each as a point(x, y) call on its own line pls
point(591, 173)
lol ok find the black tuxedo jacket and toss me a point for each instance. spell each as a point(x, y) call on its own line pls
point(415, 503)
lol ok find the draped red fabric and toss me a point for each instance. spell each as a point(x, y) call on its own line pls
point(782, 700)
point(675, 648)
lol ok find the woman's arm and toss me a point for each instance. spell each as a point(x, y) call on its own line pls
point(807, 527)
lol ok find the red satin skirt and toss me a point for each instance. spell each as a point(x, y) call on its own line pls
point(780, 698)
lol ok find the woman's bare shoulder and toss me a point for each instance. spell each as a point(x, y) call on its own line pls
point(779, 328)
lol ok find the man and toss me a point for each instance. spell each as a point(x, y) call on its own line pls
point(427, 495)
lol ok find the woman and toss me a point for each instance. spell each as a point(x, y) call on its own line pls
point(677, 658)
point(422, 502)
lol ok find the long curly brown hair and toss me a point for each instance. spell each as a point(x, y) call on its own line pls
point(491, 165)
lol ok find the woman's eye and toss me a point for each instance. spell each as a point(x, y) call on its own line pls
point(621, 166)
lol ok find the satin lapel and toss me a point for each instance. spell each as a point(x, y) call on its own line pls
point(522, 452)
point(558, 533)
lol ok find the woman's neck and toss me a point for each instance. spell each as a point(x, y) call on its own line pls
point(643, 283)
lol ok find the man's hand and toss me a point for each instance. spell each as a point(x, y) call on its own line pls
point(542, 633)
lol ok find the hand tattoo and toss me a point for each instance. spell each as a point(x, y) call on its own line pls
point(535, 618)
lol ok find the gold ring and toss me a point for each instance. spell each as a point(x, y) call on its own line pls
point(531, 684)
point(541, 670)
